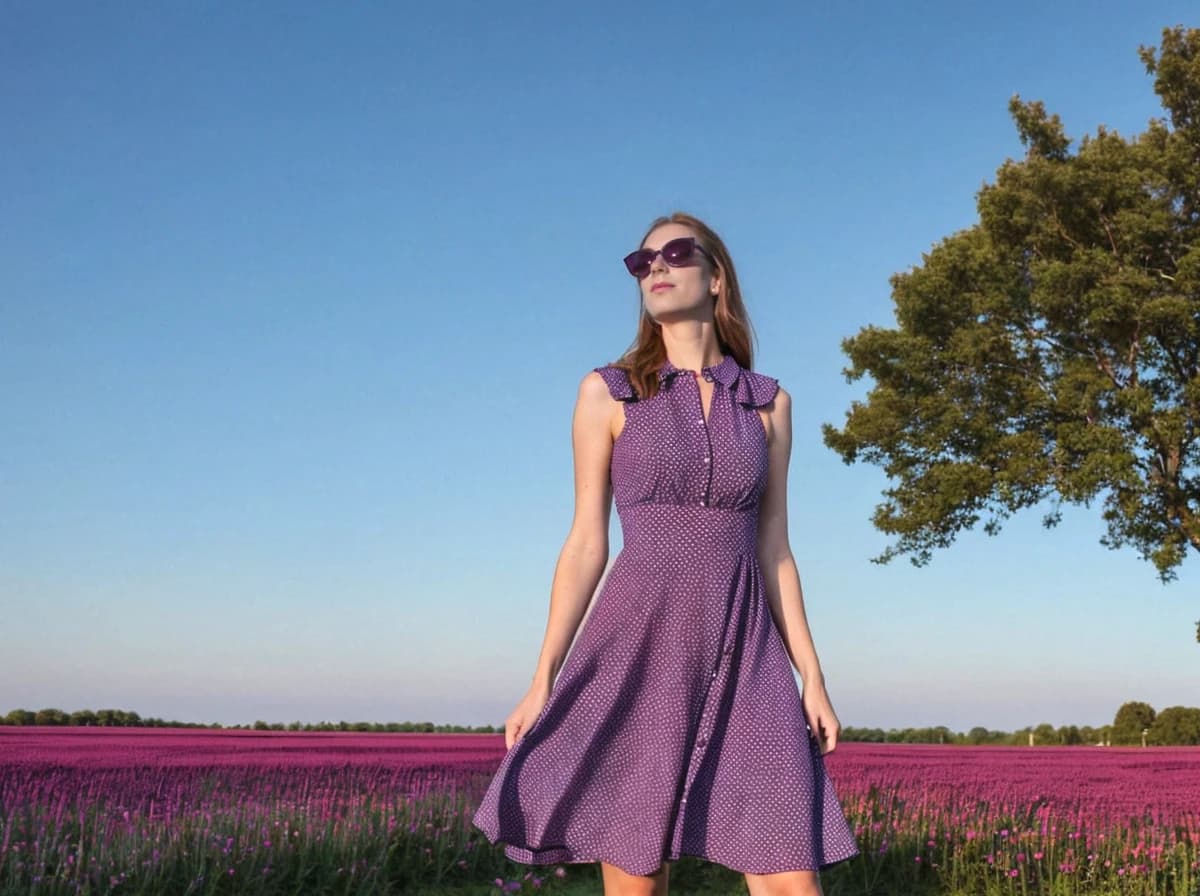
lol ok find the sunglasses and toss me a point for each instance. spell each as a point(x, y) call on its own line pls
point(676, 253)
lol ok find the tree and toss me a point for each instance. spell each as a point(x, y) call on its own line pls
point(978, 735)
point(1052, 350)
point(1045, 734)
point(51, 716)
point(1130, 721)
point(1176, 726)
point(1070, 735)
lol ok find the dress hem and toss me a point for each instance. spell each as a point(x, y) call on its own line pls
point(553, 855)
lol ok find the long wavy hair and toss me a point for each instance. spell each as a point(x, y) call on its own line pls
point(734, 330)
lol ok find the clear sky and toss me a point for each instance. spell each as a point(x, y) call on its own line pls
point(297, 298)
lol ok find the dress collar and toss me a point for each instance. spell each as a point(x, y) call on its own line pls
point(725, 371)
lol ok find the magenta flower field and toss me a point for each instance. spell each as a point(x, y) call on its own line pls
point(110, 810)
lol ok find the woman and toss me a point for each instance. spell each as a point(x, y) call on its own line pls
point(674, 726)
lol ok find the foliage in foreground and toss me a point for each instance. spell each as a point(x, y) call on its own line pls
point(928, 820)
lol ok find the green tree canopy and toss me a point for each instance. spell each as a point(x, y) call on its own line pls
point(83, 717)
point(1176, 726)
point(50, 716)
point(1051, 350)
point(1070, 735)
point(1130, 721)
point(1044, 734)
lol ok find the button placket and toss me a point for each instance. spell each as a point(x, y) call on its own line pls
point(702, 737)
point(705, 722)
point(702, 734)
point(706, 426)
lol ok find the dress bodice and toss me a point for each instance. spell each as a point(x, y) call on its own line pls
point(667, 453)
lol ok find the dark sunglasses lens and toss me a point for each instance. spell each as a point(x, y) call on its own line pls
point(639, 262)
point(678, 251)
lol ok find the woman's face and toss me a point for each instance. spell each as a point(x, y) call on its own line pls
point(680, 291)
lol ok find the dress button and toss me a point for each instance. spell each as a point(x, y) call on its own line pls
point(708, 376)
point(707, 459)
point(701, 503)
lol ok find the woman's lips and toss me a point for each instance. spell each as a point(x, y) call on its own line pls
point(657, 286)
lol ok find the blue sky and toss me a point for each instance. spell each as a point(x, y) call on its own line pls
point(297, 298)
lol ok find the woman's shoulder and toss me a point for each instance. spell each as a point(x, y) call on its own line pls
point(755, 389)
point(617, 379)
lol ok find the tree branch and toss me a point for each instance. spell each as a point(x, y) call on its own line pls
point(1102, 363)
point(1062, 231)
point(1111, 240)
point(1131, 357)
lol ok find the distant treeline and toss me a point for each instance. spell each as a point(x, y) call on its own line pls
point(1135, 723)
point(1044, 734)
point(120, 718)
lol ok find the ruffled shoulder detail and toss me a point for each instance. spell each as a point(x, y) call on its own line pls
point(755, 389)
point(617, 380)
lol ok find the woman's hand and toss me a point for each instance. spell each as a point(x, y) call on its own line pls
point(821, 717)
point(521, 719)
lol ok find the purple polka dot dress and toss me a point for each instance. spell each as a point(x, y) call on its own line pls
point(675, 724)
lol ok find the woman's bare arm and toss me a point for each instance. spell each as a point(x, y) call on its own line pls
point(781, 579)
point(585, 552)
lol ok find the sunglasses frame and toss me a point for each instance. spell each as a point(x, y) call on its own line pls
point(643, 259)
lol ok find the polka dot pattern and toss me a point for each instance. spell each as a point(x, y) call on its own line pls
point(675, 725)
